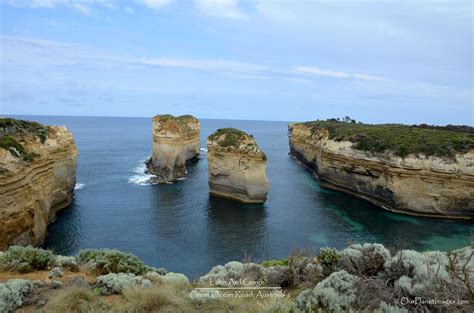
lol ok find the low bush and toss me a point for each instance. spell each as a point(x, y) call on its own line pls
point(114, 283)
point(328, 258)
point(334, 294)
point(105, 261)
point(366, 259)
point(26, 259)
point(12, 294)
point(67, 262)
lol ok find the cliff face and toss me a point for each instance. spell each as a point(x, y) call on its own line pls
point(37, 179)
point(415, 184)
point(175, 141)
point(236, 166)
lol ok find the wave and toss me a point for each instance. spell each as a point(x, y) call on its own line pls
point(141, 177)
point(203, 149)
point(79, 186)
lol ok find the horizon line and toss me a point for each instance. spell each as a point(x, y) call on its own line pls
point(118, 116)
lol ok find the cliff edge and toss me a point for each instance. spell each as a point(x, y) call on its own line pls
point(426, 171)
point(175, 142)
point(237, 166)
point(37, 179)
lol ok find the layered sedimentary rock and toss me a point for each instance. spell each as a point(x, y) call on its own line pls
point(237, 166)
point(37, 179)
point(175, 142)
point(414, 184)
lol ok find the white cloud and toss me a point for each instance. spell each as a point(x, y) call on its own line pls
point(220, 8)
point(207, 65)
point(129, 10)
point(156, 4)
point(335, 74)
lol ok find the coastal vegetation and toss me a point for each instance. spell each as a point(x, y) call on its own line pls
point(402, 140)
point(11, 132)
point(367, 277)
point(231, 137)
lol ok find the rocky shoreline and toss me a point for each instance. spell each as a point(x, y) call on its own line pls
point(37, 179)
point(414, 184)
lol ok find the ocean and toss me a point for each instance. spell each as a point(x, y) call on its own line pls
point(182, 228)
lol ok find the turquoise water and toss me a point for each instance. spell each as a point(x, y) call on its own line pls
point(180, 227)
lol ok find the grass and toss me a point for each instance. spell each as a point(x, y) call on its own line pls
point(402, 140)
point(11, 132)
point(74, 300)
point(269, 263)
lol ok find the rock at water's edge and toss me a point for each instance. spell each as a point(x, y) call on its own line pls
point(37, 179)
point(237, 166)
point(175, 142)
point(415, 184)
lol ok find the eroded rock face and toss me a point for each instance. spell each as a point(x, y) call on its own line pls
point(37, 179)
point(237, 167)
point(175, 142)
point(415, 184)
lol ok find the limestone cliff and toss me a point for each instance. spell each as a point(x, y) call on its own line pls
point(37, 179)
point(236, 166)
point(175, 142)
point(414, 184)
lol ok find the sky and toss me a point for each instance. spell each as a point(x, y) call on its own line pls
point(377, 61)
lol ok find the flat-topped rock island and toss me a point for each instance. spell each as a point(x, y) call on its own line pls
point(237, 166)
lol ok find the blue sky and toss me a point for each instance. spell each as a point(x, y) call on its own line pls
point(376, 61)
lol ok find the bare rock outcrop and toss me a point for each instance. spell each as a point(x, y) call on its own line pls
point(237, 166)
point(175, 142)
point(37, 179)
point(414, 184)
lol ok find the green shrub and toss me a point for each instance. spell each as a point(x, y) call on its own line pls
point(12, 294)
point(336, 293)
point(104, 261)
point(114, 283)
point(68, 262)
point(328, 258)
point(25, 259)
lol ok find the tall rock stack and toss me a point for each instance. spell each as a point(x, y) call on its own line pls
point(237, 166)
point(37, 179)
point(175, 142)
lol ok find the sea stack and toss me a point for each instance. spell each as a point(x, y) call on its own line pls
point(37, 179)
point(237, 166)
point(175, 142)
point(419, 170)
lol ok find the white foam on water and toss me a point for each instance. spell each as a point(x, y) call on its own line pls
point(140, 177)
point(79, 186)
point(203, 149)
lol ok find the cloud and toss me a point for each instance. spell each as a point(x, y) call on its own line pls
point(220, 8)
point(129, 10)
point(156, 4)
point(335, 74)
point(207, 65)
